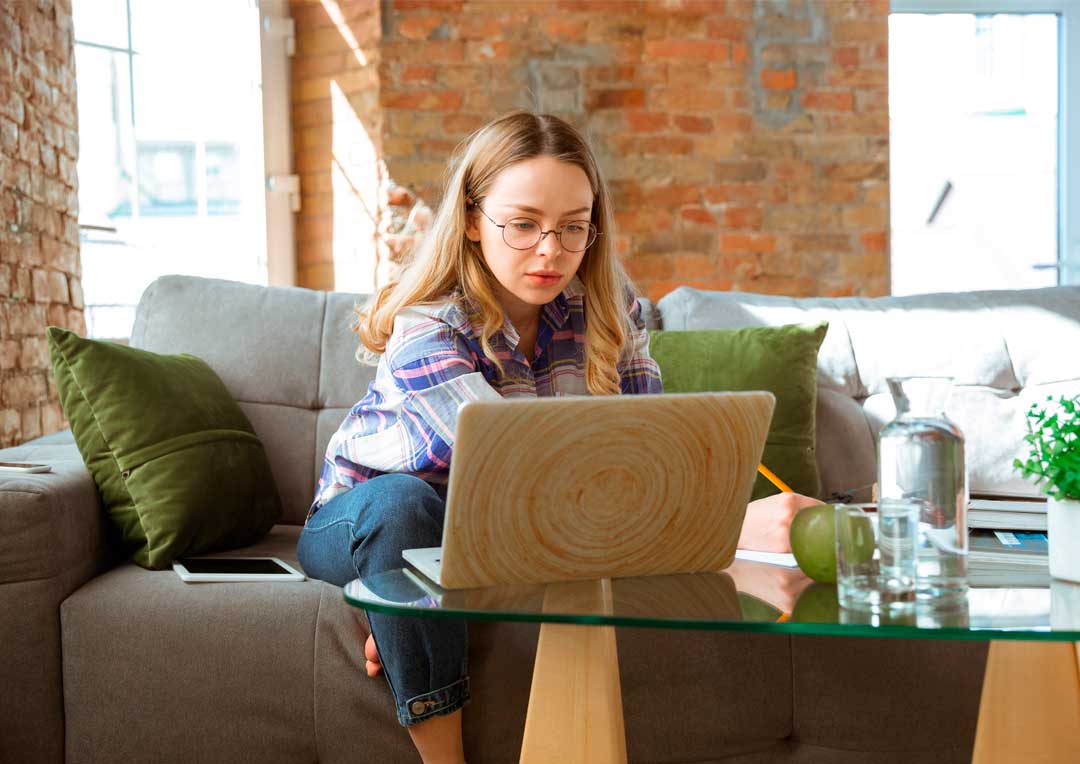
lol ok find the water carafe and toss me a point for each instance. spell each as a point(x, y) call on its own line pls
point(922, 490)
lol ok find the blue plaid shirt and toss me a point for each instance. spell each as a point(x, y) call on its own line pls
point(434, 363)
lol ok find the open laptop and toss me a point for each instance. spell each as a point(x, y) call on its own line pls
point(560, 489)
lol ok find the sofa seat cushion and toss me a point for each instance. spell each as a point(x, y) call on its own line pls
point(283, 663)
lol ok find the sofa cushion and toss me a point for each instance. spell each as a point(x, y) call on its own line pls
point(782, 360)
point(177, 463)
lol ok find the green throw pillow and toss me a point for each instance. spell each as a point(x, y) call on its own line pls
point(781, 359)
point(178, 465)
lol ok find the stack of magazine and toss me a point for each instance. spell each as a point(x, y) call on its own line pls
point(1010, 514)
point(1008, 542)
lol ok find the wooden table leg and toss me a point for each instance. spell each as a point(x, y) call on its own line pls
point(1030, 709)
point(575, 706)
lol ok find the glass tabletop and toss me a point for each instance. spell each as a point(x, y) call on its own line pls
point(746, 596)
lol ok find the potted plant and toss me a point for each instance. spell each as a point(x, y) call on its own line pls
point(1054, 437)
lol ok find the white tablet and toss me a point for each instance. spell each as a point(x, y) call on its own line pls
point(24, 467)
point(197, 570)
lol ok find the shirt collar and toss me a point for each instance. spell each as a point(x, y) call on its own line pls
point(557, 312)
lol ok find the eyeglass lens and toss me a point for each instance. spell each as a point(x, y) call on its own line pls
point(523, 233)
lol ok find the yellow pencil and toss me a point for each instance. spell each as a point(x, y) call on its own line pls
point(772, 478)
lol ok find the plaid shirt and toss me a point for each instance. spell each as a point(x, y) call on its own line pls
point(434, 363)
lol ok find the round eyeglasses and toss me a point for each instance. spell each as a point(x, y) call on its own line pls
point(525, 233)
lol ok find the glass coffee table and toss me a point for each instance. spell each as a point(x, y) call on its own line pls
point(1030, 704)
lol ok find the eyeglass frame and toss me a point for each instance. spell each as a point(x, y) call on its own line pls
point(543, 233)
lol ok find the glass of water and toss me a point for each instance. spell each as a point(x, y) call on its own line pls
point(871, 574)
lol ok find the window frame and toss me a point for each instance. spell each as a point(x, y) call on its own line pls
point(1068, 212)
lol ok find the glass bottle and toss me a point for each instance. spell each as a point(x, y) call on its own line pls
point(922, 490)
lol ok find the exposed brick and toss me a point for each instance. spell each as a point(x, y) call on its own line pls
point(682, 50)
point(628, 98)
point(743, 217)
point(40, 279)
point(829, 101)
point(698, 215)
point(419, 27)
point(747, 243)
point(692, 124)
point(38, 206)
point(874, 241)
point(745, 146)
point(34, 353)
point(9, 354)
point(647, 122)
point(10, 426)
point(22, 389)
point(778, 79)
point(426, 101)
point(52, 418)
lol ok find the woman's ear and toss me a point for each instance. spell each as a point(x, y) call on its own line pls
point(472, 226)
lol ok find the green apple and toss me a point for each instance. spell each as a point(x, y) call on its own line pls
point(813, 542)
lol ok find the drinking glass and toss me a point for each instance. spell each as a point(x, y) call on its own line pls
point(869, 576)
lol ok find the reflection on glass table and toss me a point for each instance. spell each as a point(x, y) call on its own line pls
point(1030, 703)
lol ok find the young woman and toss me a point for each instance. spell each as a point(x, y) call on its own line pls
point(516, 291)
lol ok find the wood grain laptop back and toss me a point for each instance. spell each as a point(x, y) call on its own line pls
point(558, 489)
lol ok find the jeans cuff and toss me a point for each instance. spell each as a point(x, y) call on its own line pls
point(445, 700)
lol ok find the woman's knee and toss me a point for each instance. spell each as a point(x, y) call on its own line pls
point(403, 510)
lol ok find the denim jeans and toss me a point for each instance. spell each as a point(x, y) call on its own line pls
point(362, 532)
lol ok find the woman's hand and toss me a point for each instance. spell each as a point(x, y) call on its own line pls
point(768, 520)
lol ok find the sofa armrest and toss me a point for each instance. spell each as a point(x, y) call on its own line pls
point(51, 523)
point(53, 538)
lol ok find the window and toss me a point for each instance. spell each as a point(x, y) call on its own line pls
point(978, 139)
point(171, 153)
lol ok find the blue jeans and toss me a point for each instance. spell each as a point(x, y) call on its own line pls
point(362, 532)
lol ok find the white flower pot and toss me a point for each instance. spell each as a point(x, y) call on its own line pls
point(1063, 533)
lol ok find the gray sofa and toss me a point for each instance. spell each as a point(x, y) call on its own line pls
point(103, 661)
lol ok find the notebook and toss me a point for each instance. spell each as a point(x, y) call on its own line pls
point(562, 489)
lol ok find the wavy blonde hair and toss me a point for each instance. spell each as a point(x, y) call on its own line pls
point(447, 265)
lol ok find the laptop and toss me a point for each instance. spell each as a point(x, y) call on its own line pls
point(561, 489)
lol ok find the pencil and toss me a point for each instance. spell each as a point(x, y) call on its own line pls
point(772, 478)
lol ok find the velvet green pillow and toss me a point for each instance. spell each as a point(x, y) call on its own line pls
point(781, 359)
point(178, 465)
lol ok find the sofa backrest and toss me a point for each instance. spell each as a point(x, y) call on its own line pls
point(1005, 349)
point(287, 355)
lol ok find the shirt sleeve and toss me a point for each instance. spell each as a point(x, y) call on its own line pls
point(639, 373)
point(435, 372)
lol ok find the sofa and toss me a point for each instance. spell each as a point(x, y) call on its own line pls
point(103, 661)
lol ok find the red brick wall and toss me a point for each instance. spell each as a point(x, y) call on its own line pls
point(39, 235)
point(746, 142)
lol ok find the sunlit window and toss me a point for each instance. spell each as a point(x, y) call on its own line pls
point(170, 149)
point(973, 102)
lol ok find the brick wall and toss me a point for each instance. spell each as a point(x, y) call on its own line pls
point(39, 235)
point(746, 141)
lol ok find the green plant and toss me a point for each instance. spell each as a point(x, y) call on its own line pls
point(1054, 436)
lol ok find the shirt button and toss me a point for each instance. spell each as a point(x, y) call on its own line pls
point(418, 707)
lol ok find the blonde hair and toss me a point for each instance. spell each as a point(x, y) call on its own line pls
point(447, 265)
